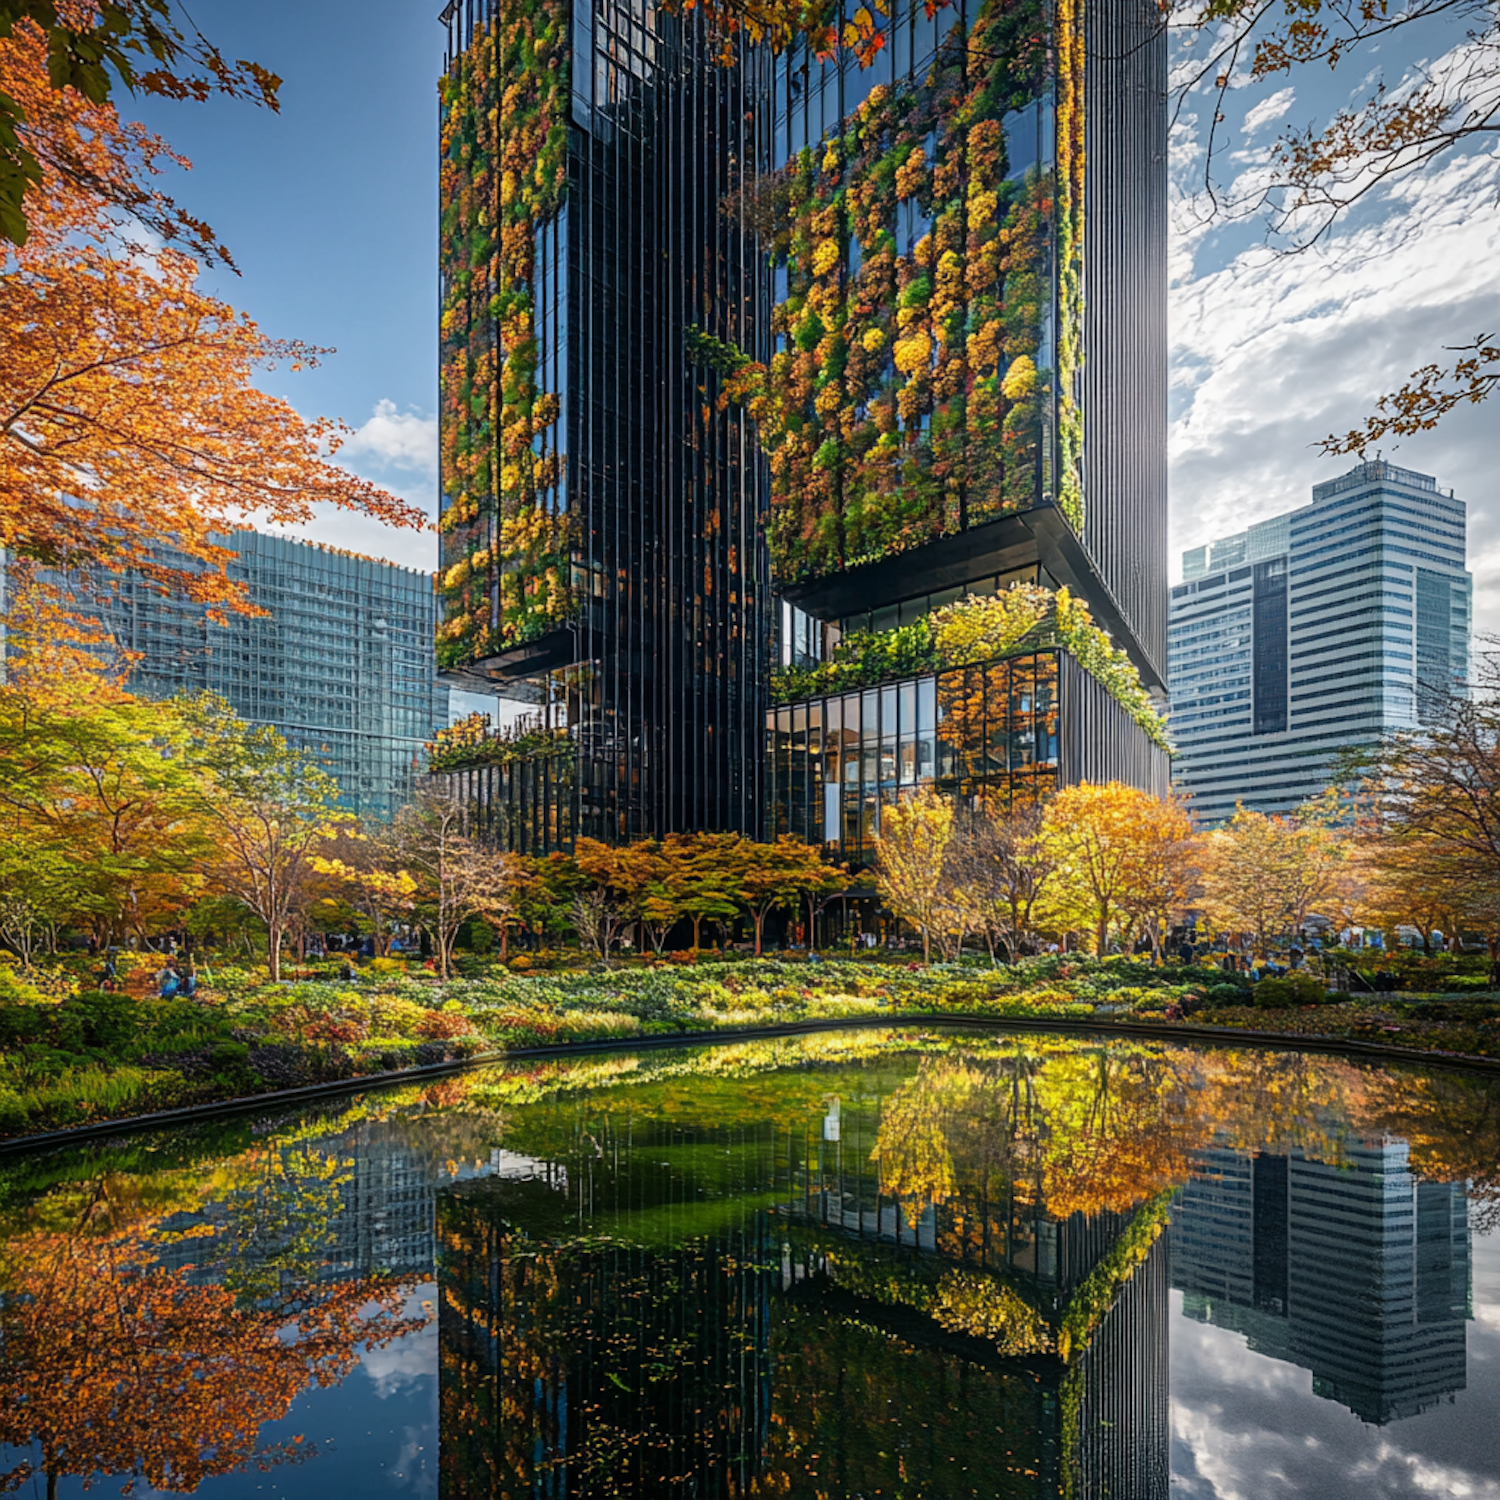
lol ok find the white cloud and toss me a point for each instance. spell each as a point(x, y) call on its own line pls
point(398, 450)
point(1272, 107)
point(405, 440)
point(1272, 353)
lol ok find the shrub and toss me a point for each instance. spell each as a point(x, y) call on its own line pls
point(1225, 994)
point(1287, 991)
point(444, 1025)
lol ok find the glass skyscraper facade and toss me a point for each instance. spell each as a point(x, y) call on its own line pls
point(737, 353)
point(1357, 1271)
point(341, 663)
point(1314, 633)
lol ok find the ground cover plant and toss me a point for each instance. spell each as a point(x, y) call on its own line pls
point(70, 1054)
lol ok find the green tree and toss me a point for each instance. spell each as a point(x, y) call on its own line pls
point(112, 786)
point(270, 809)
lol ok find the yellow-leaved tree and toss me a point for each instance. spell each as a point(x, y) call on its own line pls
point(1125, 860)
point(911, 855)
point(1265, 874)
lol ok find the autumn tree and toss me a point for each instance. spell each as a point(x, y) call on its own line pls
point(1433, 801)
point(1122, 856)
point(362, 865)
point(1003, 861)
point(270, 810)
point(1266, 874)
point(778, 876)
point(710, 880)
point(133, 436)
point(911, 853)
point(112, 1364)
point(91, 49)
point(1164, 872)
point(458, 876)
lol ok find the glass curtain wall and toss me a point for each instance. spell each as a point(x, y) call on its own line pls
point(602, 511)
point(837, 760)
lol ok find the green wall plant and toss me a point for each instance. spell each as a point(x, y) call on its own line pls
point(507, 540)
point(929, 335)
point(974, 631)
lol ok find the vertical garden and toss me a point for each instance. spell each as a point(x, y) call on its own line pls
point(926, 336)
point(507, 534)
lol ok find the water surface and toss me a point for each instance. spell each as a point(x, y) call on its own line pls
point(875, 1263)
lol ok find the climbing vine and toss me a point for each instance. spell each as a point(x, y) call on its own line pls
point(507, 535)
point(910, 392)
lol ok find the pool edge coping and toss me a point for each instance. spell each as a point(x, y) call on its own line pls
point(364, 1082)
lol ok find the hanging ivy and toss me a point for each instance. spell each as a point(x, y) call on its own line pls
point(472, 741)
point(507, 534)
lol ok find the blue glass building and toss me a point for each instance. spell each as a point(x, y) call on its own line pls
point(341, 663)
point(1314, 633)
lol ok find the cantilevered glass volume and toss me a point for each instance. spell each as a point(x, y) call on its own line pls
point(878, 338)
point(965, 392)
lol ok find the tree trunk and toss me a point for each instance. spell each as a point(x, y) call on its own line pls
point(760, 918)
point(697, 932)
point(273, 950)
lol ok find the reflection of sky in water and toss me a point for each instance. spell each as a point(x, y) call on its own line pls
point(1248, 1427)
point(377, 1433)
point(677, 1168)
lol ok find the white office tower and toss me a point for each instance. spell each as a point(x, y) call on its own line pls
point(1313, 633)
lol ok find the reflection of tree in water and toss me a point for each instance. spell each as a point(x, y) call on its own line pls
point(1451, 1121)
point(114, 1363)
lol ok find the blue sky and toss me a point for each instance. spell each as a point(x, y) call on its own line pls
point(330, 209)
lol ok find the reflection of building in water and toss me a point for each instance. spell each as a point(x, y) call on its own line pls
point(578, 1365)
point(357, 1204)
point(721, 1313)
point(1357, 1272)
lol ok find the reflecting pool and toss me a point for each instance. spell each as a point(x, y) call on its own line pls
point(879, 1263)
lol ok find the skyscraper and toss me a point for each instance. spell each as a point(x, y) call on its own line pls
point(740, 358)
point(340, 664)
point(1357, 1271)
point(1316, 632)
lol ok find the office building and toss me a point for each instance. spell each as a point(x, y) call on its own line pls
point(341, 663)
point(740, 359)
point(1316, 633)
point(1354, 1270)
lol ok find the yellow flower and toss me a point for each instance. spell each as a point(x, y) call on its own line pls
point(914, 352)
point(873, 341)
point(825, 257)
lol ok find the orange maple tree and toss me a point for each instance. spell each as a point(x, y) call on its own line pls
point(131, 435)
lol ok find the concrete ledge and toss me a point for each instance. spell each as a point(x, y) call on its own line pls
point(366, 1082)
